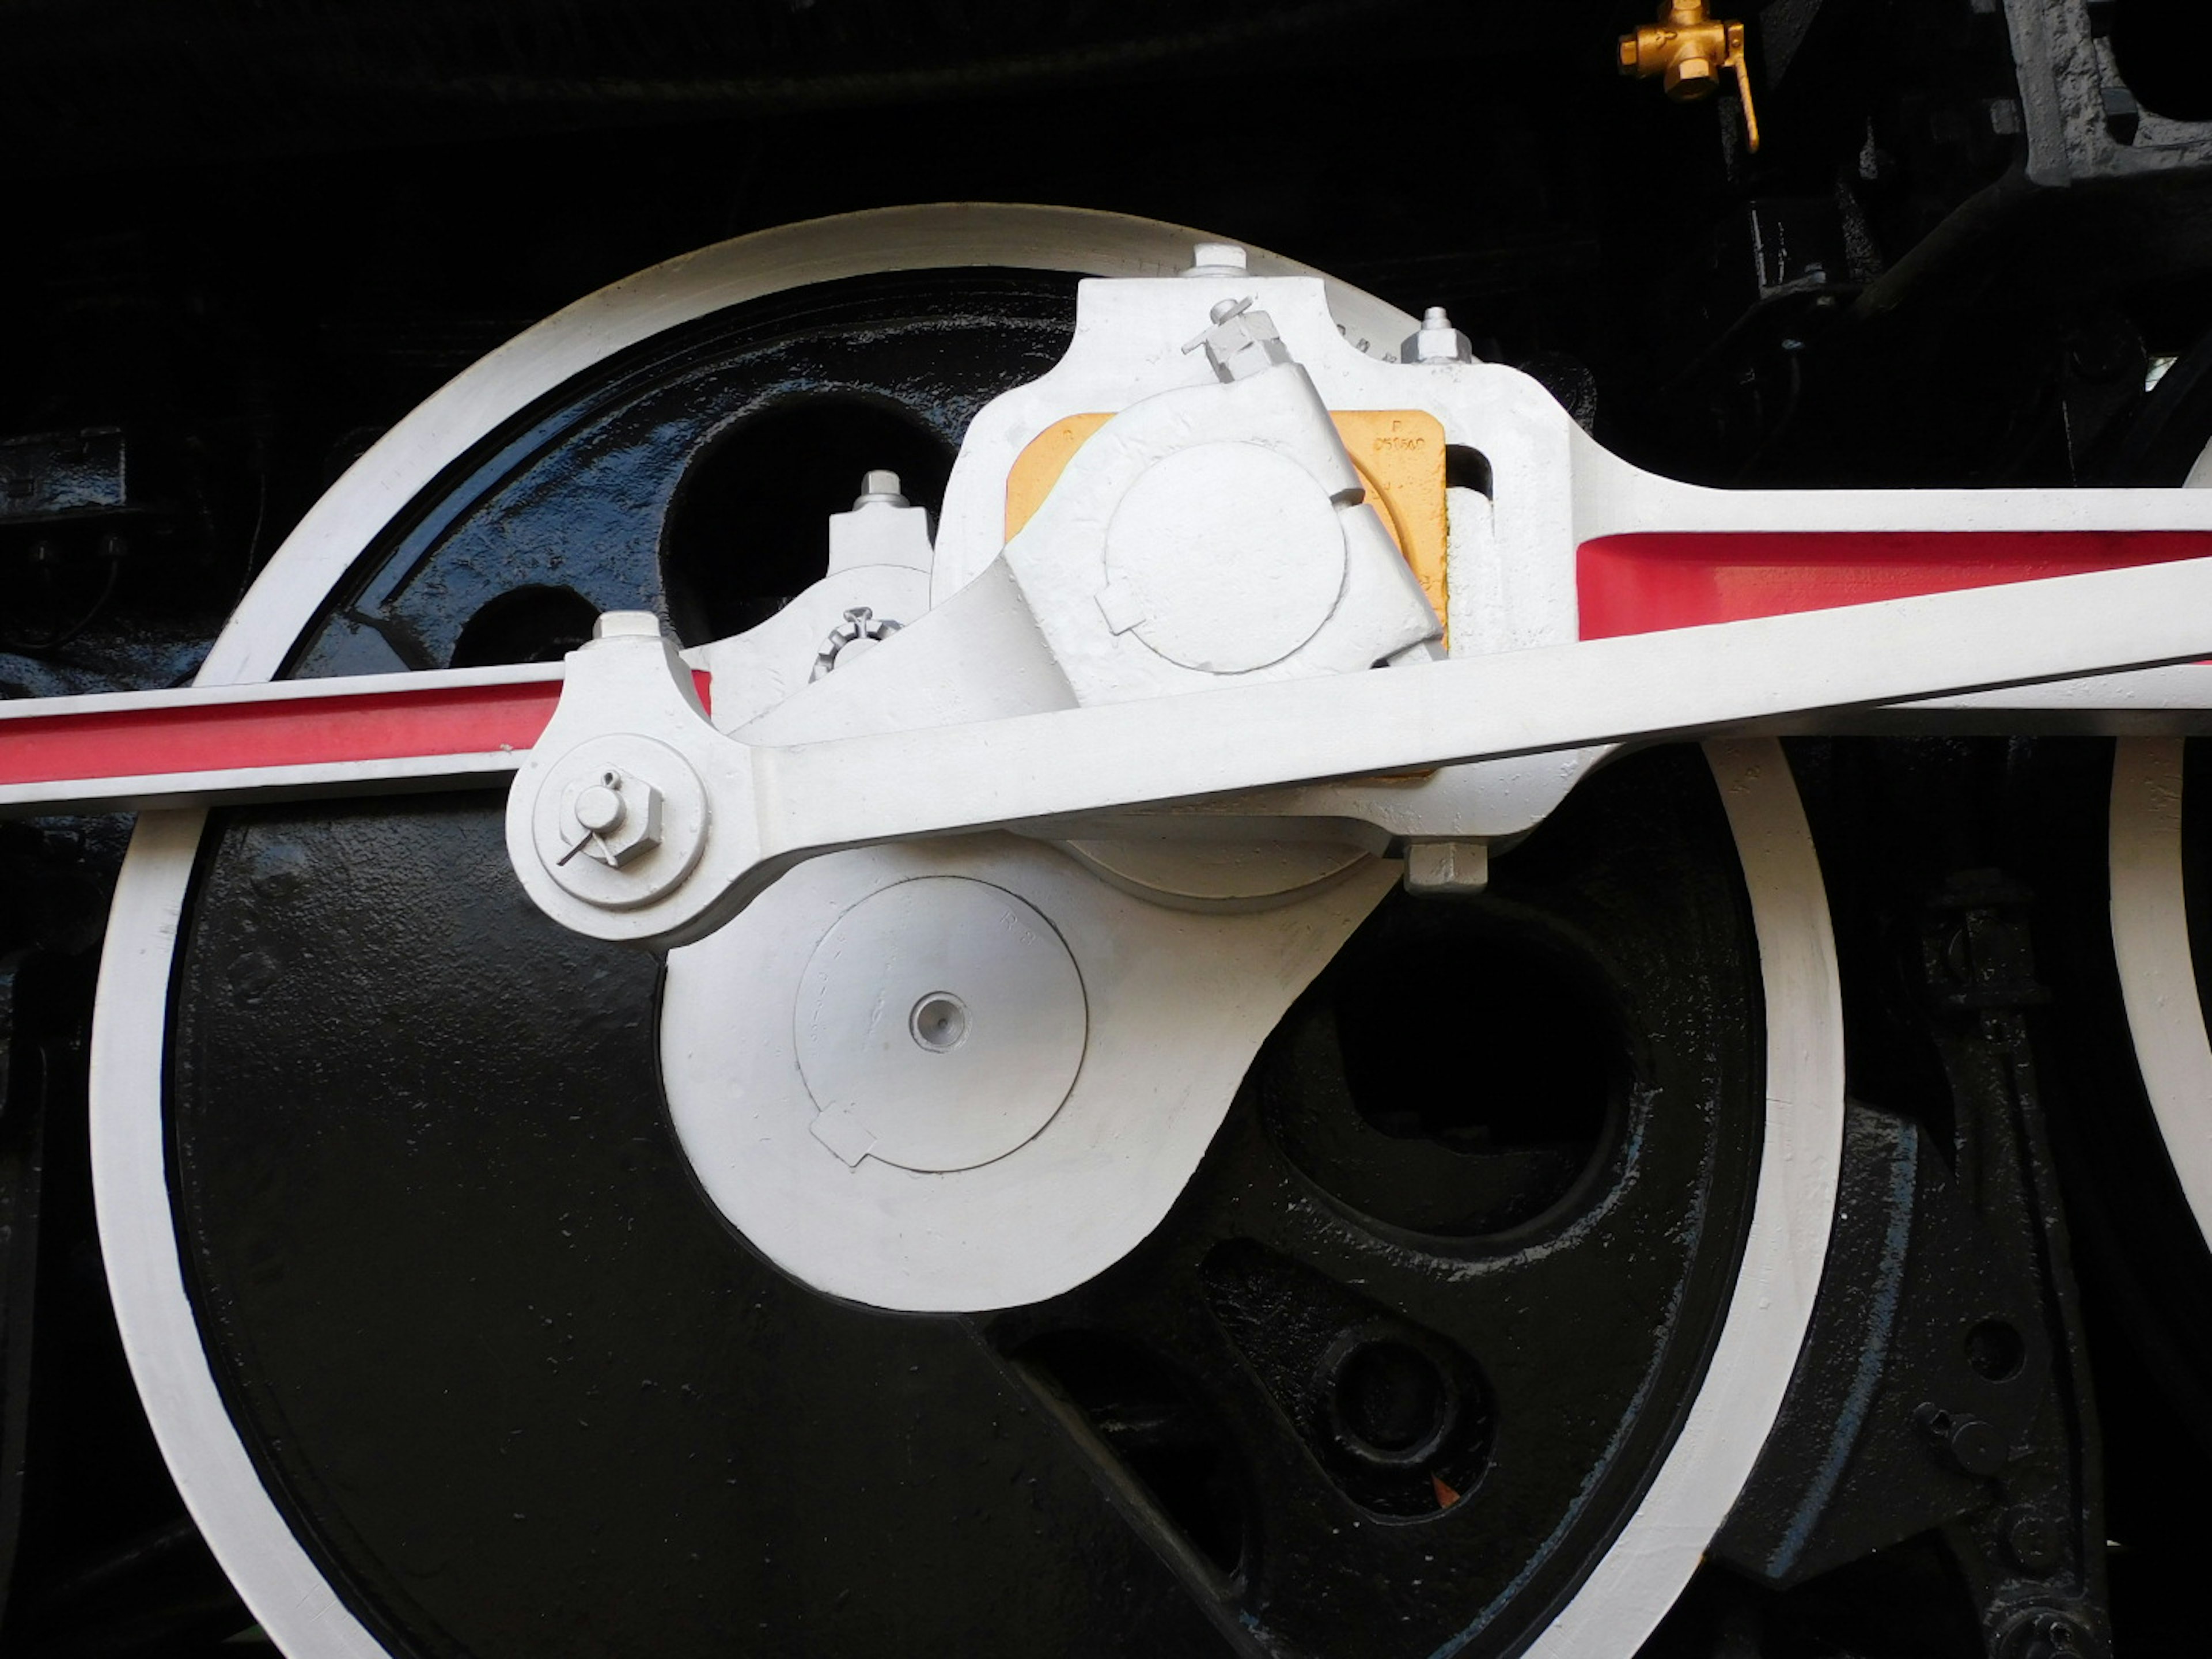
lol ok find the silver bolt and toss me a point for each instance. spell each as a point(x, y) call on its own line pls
point(619, 819)
point(880, 488)
point(1216, 259)
point(1437, 341)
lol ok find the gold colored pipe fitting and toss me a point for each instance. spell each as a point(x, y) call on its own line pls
point(1689, 49)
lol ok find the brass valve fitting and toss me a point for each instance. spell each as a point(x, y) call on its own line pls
point(1690, 48)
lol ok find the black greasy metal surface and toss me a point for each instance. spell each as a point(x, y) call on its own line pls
point(2146, 1276)
point(1575, 1337)
point(1923, 1347)
point(2033, 1559)
point(62, 475)
point(1936, 1483)
point(24, 1084)
point(693, 475)
point(524, 1392)
point(520, 1386)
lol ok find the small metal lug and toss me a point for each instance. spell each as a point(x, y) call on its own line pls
point(879, 488)
point(1447, 867)
point(626, 624)
point(1122, 606)
point(845, 1135)
point(1437, 341)
point(1216, 259)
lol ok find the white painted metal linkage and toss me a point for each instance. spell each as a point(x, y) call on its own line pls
point(773, 807)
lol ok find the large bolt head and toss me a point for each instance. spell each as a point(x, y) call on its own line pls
point(879, 488)
point(618, 817)
point(1690, 78)
point(619, 820)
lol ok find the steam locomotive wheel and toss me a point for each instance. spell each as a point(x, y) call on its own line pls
point(1462, 1338)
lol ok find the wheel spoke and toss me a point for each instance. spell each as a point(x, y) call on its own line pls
point(1411, 1305)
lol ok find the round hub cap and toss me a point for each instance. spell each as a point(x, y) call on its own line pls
point(1188, 536)
point(941, 1024)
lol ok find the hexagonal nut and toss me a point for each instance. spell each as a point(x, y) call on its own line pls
point(1645, 52)
point(625, 624)
point(1689, 78)
point(648, 853)
point(1437, 345)
point(1217, 260)
point(1244, 345)
point(637, 826)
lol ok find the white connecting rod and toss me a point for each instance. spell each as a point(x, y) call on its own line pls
point(770, 808)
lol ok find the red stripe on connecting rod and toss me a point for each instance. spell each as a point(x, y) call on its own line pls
point(342, 729)
point(1641, 582)
point(295, 731)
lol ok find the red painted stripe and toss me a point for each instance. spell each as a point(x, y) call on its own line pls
point(399, 724)
point(392, 725)
point(1641, 582)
